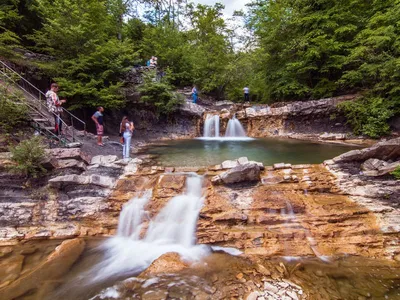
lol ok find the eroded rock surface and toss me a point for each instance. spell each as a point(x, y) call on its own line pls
point(364, 176)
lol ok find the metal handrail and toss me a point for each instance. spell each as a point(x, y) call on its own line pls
point(40, 93)
point(39, 111)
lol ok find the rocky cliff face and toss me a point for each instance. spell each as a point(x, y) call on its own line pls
point(318, 119)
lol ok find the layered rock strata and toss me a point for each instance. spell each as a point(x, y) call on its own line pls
point(364, 175)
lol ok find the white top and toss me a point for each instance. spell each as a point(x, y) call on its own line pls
point(127, 127)
point(246, 90)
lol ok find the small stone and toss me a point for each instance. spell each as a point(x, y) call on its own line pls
point(269, 287)
point(239, 276)
point(292, 295)
point(319, 273)
point(288, 166)
point(279, 166)
point(295, 178)
point(253, 296)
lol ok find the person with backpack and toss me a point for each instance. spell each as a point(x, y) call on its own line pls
point(54, 107)
point(126, 129)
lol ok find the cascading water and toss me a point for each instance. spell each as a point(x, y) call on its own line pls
point(235, 129)
point(291, 218)
point(172, 230)
point(211, 126)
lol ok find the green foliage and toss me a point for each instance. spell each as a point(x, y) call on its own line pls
point(13, 110)
point(368, 115)
point(91, 58)
point(159, 95)
point(28, 156)
point(8, 39)
point(396, 173)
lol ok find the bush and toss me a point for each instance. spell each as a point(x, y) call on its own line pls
point(396, 173)
point(160, 95)
point(28, 156)
point(369, 115)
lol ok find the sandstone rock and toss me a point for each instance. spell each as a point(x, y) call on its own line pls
point(55, 265)
point(166, 263)
point(193, 109)
point(253, 296)
point(243, 160)
point(388, 168)
point(372, 164)
point(385, 150)
point(229, 164)
point(240, 173)
point(65, 153)
point(62, 181)
point(103, 160)
point(278, 166)
point(71, 163)
point(269, 287)
point(333, 136)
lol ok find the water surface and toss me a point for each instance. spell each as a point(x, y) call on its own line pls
point(206, 152)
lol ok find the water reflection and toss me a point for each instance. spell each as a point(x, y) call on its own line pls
point(200, 152)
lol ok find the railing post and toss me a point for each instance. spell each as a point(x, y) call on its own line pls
point(73, 129)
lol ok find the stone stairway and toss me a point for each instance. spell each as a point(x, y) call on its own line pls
point(40, 118)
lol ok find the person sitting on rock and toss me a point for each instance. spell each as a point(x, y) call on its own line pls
point(153, 62)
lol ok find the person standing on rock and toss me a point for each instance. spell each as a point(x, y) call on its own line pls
point(246, 92)
point(194, 94)
point(98, 120)
point(126, 129)
point(54, 107)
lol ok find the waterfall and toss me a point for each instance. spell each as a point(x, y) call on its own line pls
point(235, 129)
point(172, 230)
point(211, 126)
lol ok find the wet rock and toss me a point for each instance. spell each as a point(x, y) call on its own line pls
point(241, 173)
point(55, 265)
point(10, 268)
point(166, 263)
point(155, 295)
point(278, 166)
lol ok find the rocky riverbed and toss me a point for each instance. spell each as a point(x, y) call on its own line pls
point(345, 207)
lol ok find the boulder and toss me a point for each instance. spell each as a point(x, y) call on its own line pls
point(385, 150)
point(192, 109)
point(229, 164)
point(372, 164)
point(240, 173)
point(166, 263)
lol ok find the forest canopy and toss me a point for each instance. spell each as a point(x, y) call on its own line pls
point(284, 50)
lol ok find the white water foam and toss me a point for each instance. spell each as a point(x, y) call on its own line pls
point(235, 129)
point(173, 230)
